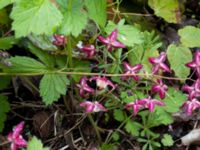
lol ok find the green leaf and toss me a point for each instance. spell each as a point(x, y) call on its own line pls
point(148, 48)
point(107, 147)
point(119, 115)
point(75, 19)
point(157, 118)
point(115, 136)
point(7, 42)
point(22, 64)
point(97, 11)
point(133, 127)
point(4, 108)
point(44, 56)
point(63, 4)
point(43, 42)
point(4, 3)
point(174, 100)
point(36, 16)
point(190, 36)
point(144, 147)
point(168, 10)
point(80, 66)
point(167, 140)
point(52, 86)
point(4, 17)
point(4, 82)
point(156, 144)
point(163, 117)
point(145, 60)
point(178, 56)
point(36, 144)
point(138, 55)
point(127, 34)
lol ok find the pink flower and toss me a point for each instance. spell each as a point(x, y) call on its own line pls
point(136, 106)
point(84, 87)
point(16, 138)
point(103, 82)
point(158, 63)
point(133, 70)
point(111, 41)
point(150, 103)
point(191, 105)
point(160, 88)
point(89, 50)
point(94, 148)
point(194, 90)
point(59, 40)
point(195, 63)
point(92, 106)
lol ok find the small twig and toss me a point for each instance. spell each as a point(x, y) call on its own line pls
point(24, 118)
point(68, 131)
point(5, 143)
point(131, 14)
point(75, 141)
point(46, 120)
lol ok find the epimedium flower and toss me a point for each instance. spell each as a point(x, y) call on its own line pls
point(84, 87)
point(190, 105)
point(132, 70)
point(195, 63)
point(160, 88)
point(89, 50)
point(111, 41)
point(92, 106)
point(59, 40)
point(15, 137)
point(136, 106)
point(151, 103)
point(158, 63)
point(103, 82)
point(194, 90)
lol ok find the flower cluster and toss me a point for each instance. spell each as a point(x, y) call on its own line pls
point(195, 64)
point(194, 90)
point(131, 71)
point(110, 42)
point(89, 49)
point(92, 106)
point(144, 103)
point(59, 40)
point(84, 87)
point(16, 138)
point(160, 88)
point(158, 63)
point(101, 83)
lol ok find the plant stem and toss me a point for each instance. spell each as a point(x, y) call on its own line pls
point(121, 125)
point(94, 126)
point(144, 75)
point(70, 5)
point(69, 52)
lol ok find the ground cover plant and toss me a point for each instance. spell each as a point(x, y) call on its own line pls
point(99, 74)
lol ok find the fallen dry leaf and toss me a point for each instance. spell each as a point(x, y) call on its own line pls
point(193, 137)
